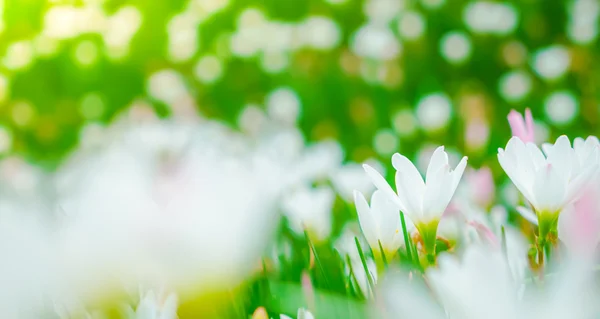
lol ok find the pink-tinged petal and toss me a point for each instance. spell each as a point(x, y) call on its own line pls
point(517, 124)
point(522, 127)
point(529, 126)
point(579, 224)
point(481, 185)
point(581, 181)
point(485, 233)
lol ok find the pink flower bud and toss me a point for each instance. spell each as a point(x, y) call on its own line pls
point(522, 127)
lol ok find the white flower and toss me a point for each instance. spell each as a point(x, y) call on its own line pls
point(151, 307)
point(480, 286)
point(548, 182)
point(380, 223)
point(310, 209)
point(423, 201)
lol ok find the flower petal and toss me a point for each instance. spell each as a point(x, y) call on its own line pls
point(381, 184)
point(550, 189)
point(438, 159)
point(366, 219)
point(528, 214)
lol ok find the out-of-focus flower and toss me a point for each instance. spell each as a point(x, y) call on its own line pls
point(522, 126)
point(480, 286)
point(434, 111)
point(380, 223)
point(579, 224)
point(346, 245)
point(487, 17)
point(561, 107)
point(481, 186)
point(351, 177)
point(423, 201)
point(309, 209)
point(153, 204)
point(548, 182)
point(152, 307)
point(551, 63)
point(376, 42)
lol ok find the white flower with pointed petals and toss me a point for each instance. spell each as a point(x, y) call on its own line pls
point(423, 201)
point(549, 182)
point(380, 223)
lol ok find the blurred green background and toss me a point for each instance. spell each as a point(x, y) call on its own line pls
point(379, 76)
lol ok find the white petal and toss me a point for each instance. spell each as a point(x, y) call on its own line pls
point(536, 155)
point(458, 173)
point(550, 189)
point(409, 183)
point(580, 181)
point(513, 173)
point(365, 218)
point(561, 157)
point(438, 160)
point(387, 217)
point(547, 148)
point(381, 184)
point(438, 195)
point(527, 214)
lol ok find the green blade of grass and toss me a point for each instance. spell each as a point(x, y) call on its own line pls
point(385, 262)
point(366, 268)
point(407, 241)
point(317, 260)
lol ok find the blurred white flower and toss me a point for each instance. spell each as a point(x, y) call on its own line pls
point(423, 201)
point(411, 25)
point(351, 177)
point(515, 85)
point(455, 47)
point(579, 224)
point(310, 209)
point(488, 17)
point(151, 307)
point(480, 286)
point(552, 62)
point(561, 107)
point(153, 204)
point(434, 111)
point(375, 42)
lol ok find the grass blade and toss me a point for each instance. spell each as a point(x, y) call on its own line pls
point(366, 268)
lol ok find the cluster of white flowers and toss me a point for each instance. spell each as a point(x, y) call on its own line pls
point(500, 275)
